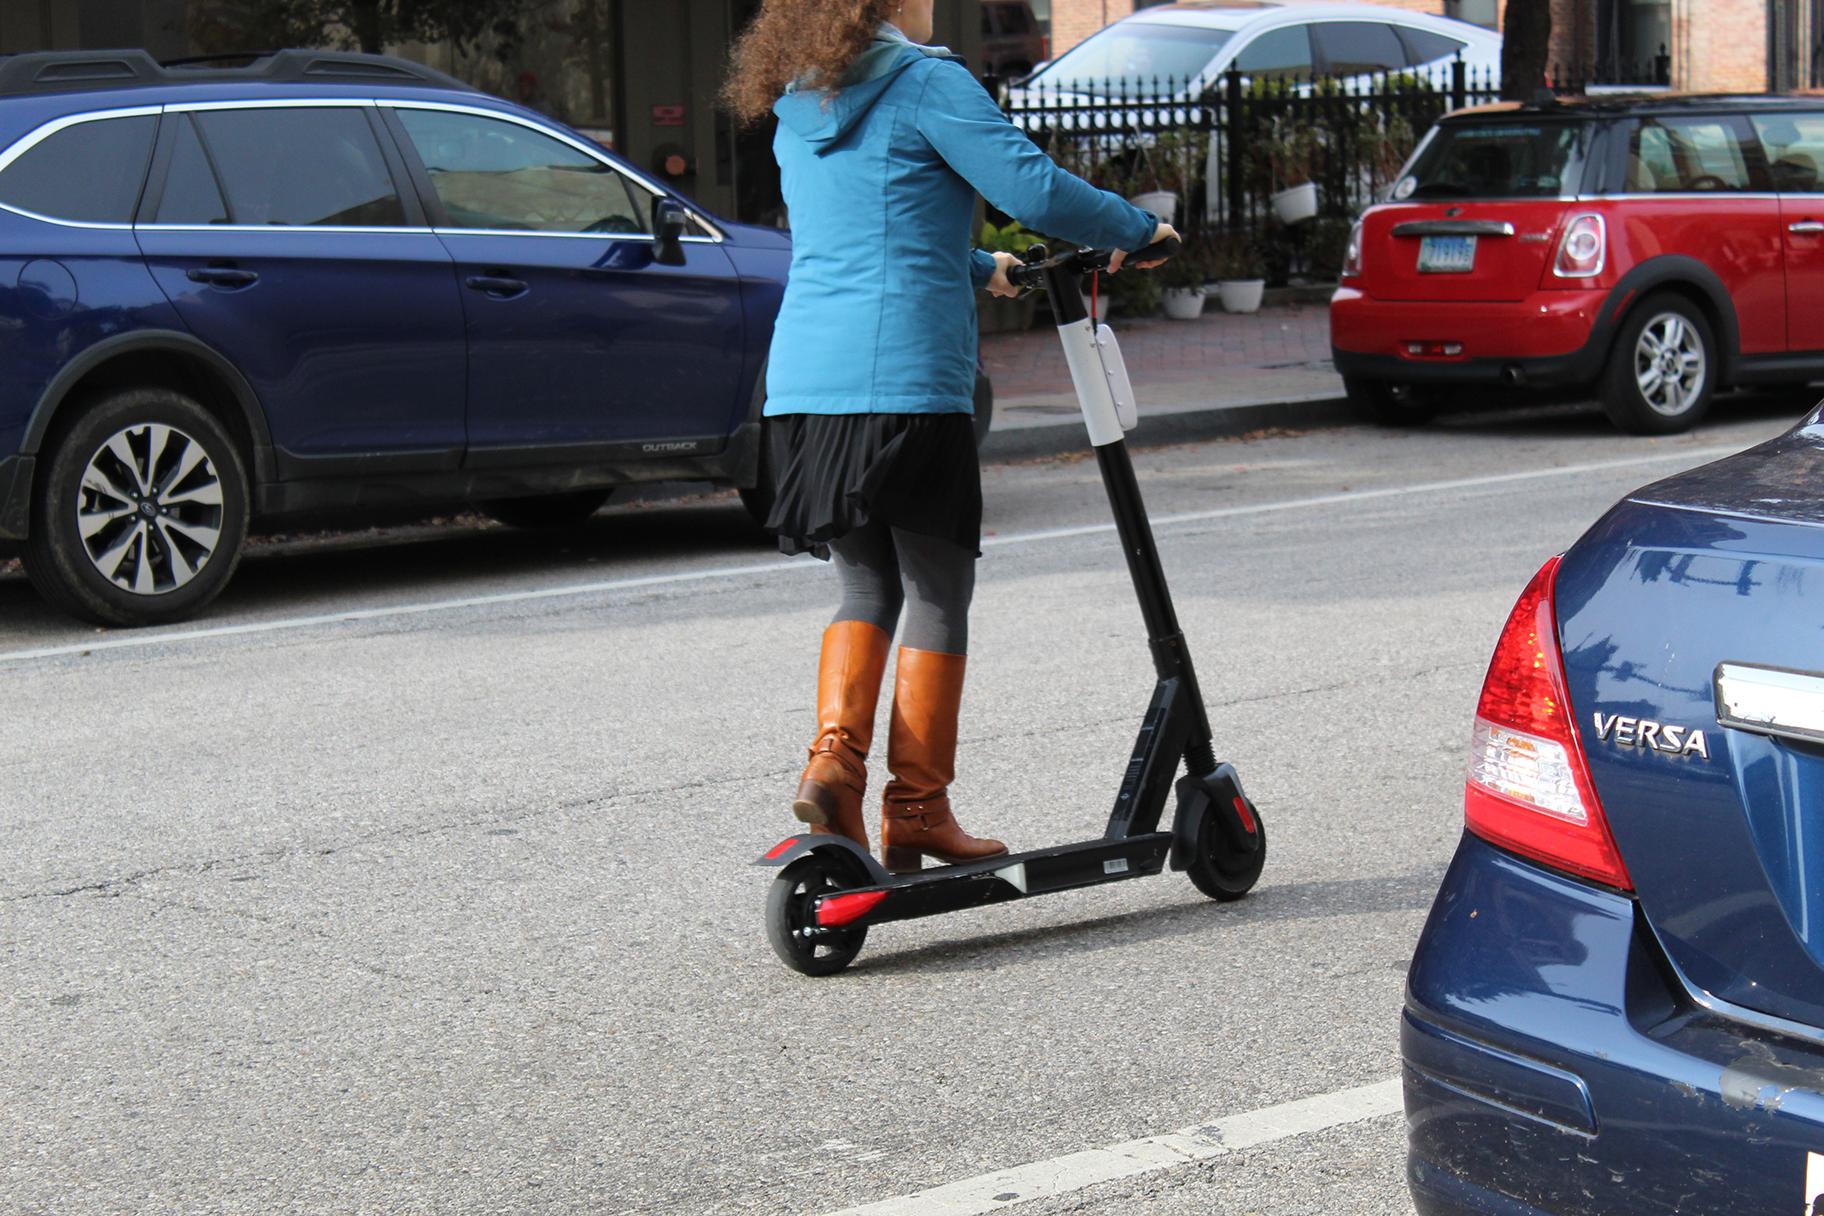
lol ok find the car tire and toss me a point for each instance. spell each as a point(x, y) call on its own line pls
point(1662, 371)
point(140, 512)
point(1386, 403)
point(568, 510)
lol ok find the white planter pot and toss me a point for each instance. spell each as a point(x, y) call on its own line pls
point(1241, 295)
point(1101, 310)
point(1184, 303)
point(1297, 204)
point(1162, 203)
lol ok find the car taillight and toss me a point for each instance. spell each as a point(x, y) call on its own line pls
point(1583, 248)
point(1352, 256)
point(1529, 789)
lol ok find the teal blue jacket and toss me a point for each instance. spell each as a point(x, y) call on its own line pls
point(880, 179)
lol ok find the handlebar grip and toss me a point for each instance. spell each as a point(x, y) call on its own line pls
point(1158, 251)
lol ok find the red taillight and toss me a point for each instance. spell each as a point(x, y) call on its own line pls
point(1529, 789)
point(835, 910)
point(1352, 256)
point(1583, 249)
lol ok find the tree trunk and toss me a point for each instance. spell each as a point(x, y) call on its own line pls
point(1526, 43)
point(367, 26)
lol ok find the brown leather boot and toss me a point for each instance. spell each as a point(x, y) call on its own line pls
point(848, 689)
point(915, 818)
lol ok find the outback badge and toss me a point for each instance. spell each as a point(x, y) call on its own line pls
point(1644, 732)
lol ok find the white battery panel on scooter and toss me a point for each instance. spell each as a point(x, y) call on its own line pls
point(1114, 368)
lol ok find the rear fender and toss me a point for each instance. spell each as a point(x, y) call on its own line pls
point(793, 847)
point(1689, 277)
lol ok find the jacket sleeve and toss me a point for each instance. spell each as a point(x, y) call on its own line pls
point(981, 267)
point(968, 130)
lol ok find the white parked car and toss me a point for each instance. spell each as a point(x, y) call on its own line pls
point(1192, 45)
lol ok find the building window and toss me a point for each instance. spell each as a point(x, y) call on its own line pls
point(1632, 40)
point(1485, 13)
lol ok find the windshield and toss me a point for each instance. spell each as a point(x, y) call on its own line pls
point(1496, 160)
point(1126, 59)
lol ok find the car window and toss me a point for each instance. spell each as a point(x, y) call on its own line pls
point(1345, 48)
point(90, 172)
point(1282, 52)
point(1423, 46)
point(191, 195)
point(1129, 56)
point(1795, 150)
point(305, 167)
point(489, 173)
point(1686, 154)
point(1495, 160)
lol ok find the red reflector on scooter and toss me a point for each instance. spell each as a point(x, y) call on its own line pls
point(835, 910)
point(1247, 815)
point(780, 848)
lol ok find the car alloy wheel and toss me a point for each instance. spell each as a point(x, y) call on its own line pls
point(1669, 364)
point(149, 508)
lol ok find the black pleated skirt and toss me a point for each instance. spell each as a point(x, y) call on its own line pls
point(836, 472)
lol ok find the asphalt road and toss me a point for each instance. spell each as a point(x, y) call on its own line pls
point(415, 877)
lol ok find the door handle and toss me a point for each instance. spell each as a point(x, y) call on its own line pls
point(1806, 227)
point(221, 276)
point(498, 286)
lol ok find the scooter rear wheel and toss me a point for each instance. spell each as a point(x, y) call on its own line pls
point(791, 925)
point(1220, 870)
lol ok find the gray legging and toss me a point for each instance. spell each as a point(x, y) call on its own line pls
point(884, 569)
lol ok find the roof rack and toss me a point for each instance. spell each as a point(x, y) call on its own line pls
point(56, 71)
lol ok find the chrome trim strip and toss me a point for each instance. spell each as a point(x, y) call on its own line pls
point(1710, 1003)
point(1775, 701)
point(93, 225)
point(25, 143)
point(293, 229)
point(1454, 228)
point(1718, 195)
point(587, 236)
point(717, 236)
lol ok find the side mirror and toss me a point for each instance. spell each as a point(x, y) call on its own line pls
point(669, 223)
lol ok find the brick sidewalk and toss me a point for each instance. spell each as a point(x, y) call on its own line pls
point(1208, 352)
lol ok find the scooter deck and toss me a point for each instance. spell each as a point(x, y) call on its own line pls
point(998, 879)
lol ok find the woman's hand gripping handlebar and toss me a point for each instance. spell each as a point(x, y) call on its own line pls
point(1033, 273)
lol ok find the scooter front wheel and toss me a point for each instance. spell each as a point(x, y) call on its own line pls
point(791, 916)
point(1220, 870)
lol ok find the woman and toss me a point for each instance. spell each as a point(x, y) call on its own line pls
point(883, 143)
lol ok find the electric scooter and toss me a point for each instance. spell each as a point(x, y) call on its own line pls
point(829, 890)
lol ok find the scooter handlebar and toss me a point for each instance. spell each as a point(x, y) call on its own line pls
point(1040, 262)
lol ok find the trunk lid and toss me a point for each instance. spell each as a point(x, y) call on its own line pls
point(1478, 209)
point(1416, 251)
point(1720, 826)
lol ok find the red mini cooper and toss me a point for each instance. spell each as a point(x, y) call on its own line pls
point(1652, 249)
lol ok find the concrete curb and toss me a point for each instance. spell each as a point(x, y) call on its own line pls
point(1032, 441)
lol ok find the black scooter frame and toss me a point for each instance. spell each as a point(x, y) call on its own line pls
point(1175, 730)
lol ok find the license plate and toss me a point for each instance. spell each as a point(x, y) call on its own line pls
point(1447, 254)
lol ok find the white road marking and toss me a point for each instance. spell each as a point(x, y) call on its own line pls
point(1075, 1171)
point(139, 639)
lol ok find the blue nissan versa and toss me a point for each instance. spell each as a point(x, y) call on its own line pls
point(1617, 1006)
point(238, 291)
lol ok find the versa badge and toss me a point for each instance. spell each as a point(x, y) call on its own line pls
point(1644, 732)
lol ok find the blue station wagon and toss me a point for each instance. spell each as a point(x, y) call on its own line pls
point(1617, 1004)
point(314, 282)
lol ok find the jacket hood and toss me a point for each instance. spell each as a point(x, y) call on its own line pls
point(822, 118)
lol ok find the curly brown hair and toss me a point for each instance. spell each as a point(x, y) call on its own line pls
point(810, 41)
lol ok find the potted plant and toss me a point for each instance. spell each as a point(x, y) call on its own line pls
point(997, 314)
point(1183, 280)
point(1294, 151)
point(1240, 274)
point(1159, 176)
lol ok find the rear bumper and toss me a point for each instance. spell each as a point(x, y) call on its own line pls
point(15, 497)
point(1551, 337)
point(1554, 1064)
